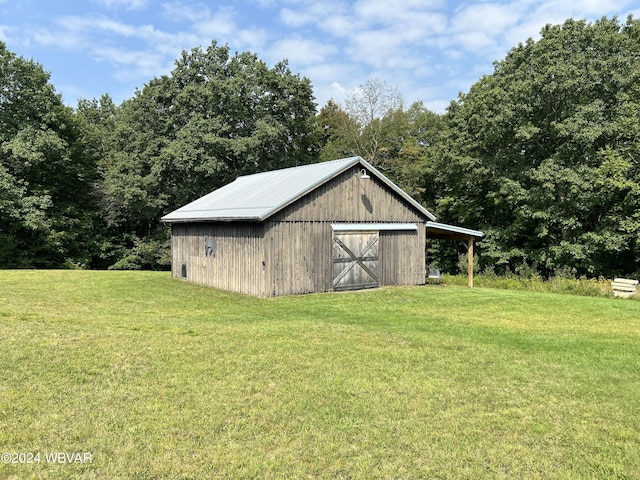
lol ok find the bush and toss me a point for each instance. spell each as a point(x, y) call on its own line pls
point(146, 254)
point(562, 283)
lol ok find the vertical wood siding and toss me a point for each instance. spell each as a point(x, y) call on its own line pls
point(298, 257)
point(349, 198)
point(235, 264)
point(402, 257)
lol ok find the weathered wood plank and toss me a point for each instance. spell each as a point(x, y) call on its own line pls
point(402, 257)
point(236, 264)
point(624, 287)
point(349, 198)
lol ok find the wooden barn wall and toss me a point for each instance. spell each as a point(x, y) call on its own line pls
point(298, 257)
point(349, 198)
point(299, 242)
point(234, 261)
point(402, 257)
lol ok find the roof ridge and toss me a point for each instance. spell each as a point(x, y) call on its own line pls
point(280, 170)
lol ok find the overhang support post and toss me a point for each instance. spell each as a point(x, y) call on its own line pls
point(470, 261)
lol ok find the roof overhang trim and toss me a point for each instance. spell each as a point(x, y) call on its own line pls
point(360, 227)
point(445, 231)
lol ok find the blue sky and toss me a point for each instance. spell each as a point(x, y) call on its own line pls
point(430, 50)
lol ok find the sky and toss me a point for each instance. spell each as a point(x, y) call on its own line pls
point(430, 50)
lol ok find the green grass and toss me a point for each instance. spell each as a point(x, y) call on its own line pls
point(158, 378)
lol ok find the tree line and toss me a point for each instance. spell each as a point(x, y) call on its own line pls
point(543, 154)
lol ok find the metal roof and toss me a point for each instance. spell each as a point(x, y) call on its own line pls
point(257, 197)
point(435, 229)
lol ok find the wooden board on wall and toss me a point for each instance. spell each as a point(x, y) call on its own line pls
point(297, 256)
point(349, 198)
point(402, 257)
point(222, 255)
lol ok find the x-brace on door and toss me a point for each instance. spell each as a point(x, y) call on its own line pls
point(355, 260)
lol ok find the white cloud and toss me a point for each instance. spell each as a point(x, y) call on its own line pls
point(379, 33)
point(588, 8)
point(132, 64)
point(494, 28)
point(333, 16)
point(334, 91)
point(486, 17)
point(176, 11)
point(314, 11)
point(202, 25)
point(339, 88)
point(373, 47)
point(252, 39)
point(151, 55)
point(266, 3)
point(404, 14)
point(94, 26)
point(302, 51)
point(333, 80)
point(340, 26)
point(3, 32)
point(215, 27)
point(296, 19)
point(64, 40)
point(430, 49)
point(126, 4)
point(201, 19)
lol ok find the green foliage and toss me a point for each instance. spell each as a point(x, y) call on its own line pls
point(416, 132)
point(334, 128)
point(217, 116)
point(544, 154)
point(463, 264)
point(87, 188)
point(150, 253)
point(367, 126)
point(372, 107)
point(528, 279)
point(377, 128)
point(47, 210)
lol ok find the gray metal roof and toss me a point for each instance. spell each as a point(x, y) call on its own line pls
point(257, 197)
point(443, 228)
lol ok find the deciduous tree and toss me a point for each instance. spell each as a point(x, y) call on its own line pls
point(46, 179)
point(544, 153)
point(217, 116)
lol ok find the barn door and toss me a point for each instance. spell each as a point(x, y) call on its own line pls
point(355, 260)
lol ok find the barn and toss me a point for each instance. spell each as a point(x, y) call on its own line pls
point(337, 225)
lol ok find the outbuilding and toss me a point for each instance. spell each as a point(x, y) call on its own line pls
point(337, 225)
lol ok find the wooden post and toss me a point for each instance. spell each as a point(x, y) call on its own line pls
point(470, 261)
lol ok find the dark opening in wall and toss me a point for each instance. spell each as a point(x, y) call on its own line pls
point(183, 271)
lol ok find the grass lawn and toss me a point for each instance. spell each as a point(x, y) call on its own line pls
point(155, 378)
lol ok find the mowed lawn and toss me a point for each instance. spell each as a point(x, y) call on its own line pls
point(156, 378)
